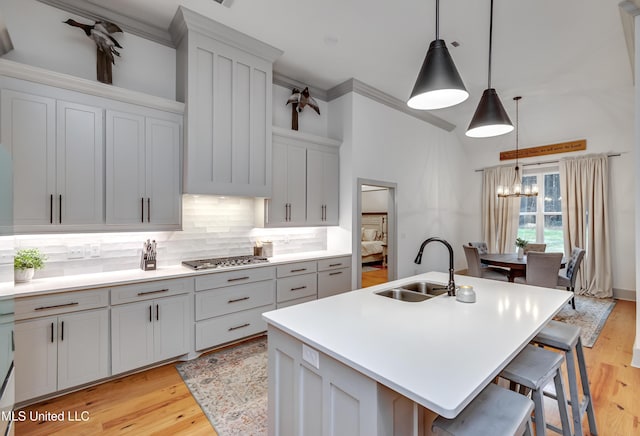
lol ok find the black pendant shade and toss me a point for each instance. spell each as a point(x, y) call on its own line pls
point(490, 118)
point(439, 84)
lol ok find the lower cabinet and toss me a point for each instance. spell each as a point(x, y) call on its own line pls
point(334, 276)
point(58, 352)
point(149, 331)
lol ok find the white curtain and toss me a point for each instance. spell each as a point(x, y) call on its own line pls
point(500, 215)
point(584, 183)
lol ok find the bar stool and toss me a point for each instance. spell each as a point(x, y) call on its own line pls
point(495, 411)
point(534, 368)
point(566, 337)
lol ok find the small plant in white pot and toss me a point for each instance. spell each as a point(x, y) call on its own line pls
point(26, 262)
point(521, 243)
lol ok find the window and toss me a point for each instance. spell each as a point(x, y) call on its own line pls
point(541, 216)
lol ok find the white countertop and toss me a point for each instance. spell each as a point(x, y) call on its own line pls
point(106, 279)
point(439, 352)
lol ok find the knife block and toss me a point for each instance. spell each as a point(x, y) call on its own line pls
point(147, 264)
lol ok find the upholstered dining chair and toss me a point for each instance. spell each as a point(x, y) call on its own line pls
point(567, 277)
point(535, 247)
point(475, 269)
point(543, 269)
point(481, 246)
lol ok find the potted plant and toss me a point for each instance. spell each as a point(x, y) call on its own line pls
point(25, 262)
point(521, 243)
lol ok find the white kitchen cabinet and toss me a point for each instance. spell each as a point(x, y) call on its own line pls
point(58, 352)
point(57, 149)
point(149, 331)
point(287, 204)
point(226, 76)
point(334, 276)
point(143, 171)
point(323, 175)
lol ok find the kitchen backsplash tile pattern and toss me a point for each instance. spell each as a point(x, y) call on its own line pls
point(212, 227)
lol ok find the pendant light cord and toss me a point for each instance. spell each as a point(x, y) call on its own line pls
point(437, 19)
point(490, 43)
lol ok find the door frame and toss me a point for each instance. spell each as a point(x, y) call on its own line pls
point(392, 227)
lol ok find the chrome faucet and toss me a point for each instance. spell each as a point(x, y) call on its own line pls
point(451, 286)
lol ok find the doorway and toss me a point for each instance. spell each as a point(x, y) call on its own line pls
point(375, 243)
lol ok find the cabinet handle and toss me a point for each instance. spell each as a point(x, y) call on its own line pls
point(75, 303)
point(60, 208)
point(335, 273)
point(334, 264)
point(62, 331)
point(150, 316)
point(148, 209)
point(324, 212)
point(140, 294)
point(298, 270)
point(230, 329)
point(157, 312)
point(238, 278)
point(238, 299)
point(52, 333)
point(51, 209)
point(13, 342)
point(298, 288)
point(286, 212)
point(142, 209)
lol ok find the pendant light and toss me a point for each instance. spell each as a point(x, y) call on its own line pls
point(490, 118)
point(439, 84)
point(516, 189)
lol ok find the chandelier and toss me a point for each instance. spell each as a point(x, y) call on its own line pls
point(516, 189)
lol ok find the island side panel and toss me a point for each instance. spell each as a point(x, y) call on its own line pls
point(317, 395)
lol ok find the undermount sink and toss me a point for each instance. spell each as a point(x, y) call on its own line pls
point(404, 295)
point(429, 288)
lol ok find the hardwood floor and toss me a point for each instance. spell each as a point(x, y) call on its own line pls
point(157, 402)
point(372, 278)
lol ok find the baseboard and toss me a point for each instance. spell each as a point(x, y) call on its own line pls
point(635, 360)
point(624, 294)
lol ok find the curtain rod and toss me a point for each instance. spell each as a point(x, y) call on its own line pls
point(548, 162)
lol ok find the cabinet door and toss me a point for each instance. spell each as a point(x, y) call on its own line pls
point(131, 336)
point(288, 202)
point(79, 195)
point(334, 282)
point(322, 187)
point(331, 185)
point(36, 358)
point(28, 130)
point(278, 204)
point(172, 327)
point(163, 189)
point(83, 347)
point(125, 178)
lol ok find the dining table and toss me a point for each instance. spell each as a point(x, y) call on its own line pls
point(517, 267)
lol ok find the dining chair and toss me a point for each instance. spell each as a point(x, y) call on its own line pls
point(543, 269)
point(535, 247)
point(481, 246)
point(475, 269)
point(567, 278)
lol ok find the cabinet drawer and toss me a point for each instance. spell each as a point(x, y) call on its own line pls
point(228, 278)
point(296, 301)
point(227, 328)
point(290, 288)
point(291, 269)
point(148, 290)
point(53, 304)
point(222, 301)
point(334, 282)
point(334, 263)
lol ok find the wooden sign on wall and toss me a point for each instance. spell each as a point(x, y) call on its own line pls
point(543, 150)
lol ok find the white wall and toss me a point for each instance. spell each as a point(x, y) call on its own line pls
point(42, 39)
point(375, 200)
point(603, 117)
point(636, 162)
point(427, 163)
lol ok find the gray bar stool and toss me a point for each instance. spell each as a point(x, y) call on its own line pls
point(534, 368)
point(566, 337)
point(495, 411)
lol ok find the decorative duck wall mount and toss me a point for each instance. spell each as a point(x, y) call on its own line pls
point(300, 99)
point(100, 32)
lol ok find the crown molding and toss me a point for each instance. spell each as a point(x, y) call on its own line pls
point(354, 85)
point(288, 82)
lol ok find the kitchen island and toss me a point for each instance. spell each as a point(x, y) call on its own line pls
point(363, 364)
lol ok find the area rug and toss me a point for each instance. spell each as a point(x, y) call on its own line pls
point(231, 387)
point(367, 268)
point(590, 315)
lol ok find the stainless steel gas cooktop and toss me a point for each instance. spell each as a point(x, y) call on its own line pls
point(222, 262)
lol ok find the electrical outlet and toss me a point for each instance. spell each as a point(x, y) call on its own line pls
point(75, 252)
point(311, 356)
point(94, 250)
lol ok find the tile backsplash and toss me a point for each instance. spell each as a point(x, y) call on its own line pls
point(212, 227)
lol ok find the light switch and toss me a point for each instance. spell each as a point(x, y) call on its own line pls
point(311, 356)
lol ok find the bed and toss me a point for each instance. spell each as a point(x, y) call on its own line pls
point(373, 237)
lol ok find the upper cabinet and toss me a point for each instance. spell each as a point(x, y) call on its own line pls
point(72, 140)
point(225, 78)
point(306, 174)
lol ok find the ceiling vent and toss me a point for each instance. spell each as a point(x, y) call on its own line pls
point(226, 3)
